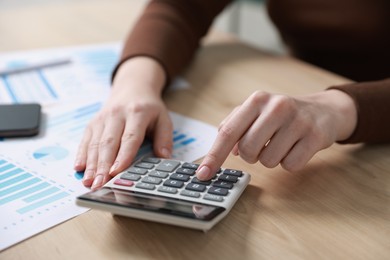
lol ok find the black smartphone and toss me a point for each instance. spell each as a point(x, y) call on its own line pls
point(18, 120)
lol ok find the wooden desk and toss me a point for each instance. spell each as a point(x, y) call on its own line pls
point(337, 208)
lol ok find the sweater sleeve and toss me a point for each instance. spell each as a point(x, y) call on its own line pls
point(170, 32)
point(372, 100)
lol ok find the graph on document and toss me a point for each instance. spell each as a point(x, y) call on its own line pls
point(25, 194)
point(71, 123)
point(182, 144)
point(87, 73)
point(31, 200)
point(27, 87)
point(50, 153)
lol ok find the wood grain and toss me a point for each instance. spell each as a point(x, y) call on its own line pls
point(337, 208)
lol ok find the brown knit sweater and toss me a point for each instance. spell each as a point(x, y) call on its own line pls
point(349, 37)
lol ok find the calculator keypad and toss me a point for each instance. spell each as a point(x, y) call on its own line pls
point(175, 177)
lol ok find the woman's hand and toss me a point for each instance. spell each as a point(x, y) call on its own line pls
point(278, 129)
point(134, 109)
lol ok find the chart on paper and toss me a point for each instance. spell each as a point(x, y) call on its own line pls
point(30, 202)
point(26, 191)
point(70, 121)
point(189, 135)
point(84, 72)
point(87, 73)
point(38, 185)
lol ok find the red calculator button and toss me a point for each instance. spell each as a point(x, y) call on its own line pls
point(123, 182)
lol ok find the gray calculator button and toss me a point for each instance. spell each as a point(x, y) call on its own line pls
point(226, 177)
point(158, 174)
point(189, 193)
point(151, 160)
point(195, 187)
point(145, 186)
point(223, 184)
point(130, 176)
point(137, 170)
point(179, 177)
point(151, 180)
point(167, 166)
point(167, 189)
point(213, 197)
point(196, 180)
point(193, 166)
point(185, 171)
point(173, 183)
point(232, 172)
point(218, 191)
point(144, 165)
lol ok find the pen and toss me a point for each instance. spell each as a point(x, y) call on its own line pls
point(34, 67)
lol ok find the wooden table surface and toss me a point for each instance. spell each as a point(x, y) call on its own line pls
point(338, 207)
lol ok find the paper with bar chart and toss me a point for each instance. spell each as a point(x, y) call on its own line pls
point(87, 73)
point(38, 185)
point(81, 72)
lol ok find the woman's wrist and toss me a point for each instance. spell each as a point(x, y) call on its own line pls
point(140, 72)
point(345, 111)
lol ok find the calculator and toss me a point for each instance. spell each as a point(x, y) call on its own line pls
point(167, 191)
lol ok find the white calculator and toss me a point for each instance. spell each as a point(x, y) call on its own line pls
point(167, 191)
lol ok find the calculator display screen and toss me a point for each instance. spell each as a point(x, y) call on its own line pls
point(153, 203)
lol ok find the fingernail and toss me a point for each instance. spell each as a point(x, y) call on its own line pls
point(165, 152)
point(87, 177)
point(203, 173)
point(77, 163)
point(114, 167)
point(97, 182)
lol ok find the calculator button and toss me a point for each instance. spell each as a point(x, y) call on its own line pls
point(123, 182)
point(167, 166)
point(144, 165)
point(213, 197)
point(130, 176)
point(167, 189)
point(189, 193)
point(158, 174)
point(151, 160)
point(145, 186)
point(232, 172)
point(218, 191)
point(193, 166)
point(185, 171)
point(223, 184)
point(230, 178)
point(195, 187)
point(173, 183)
point(196, 180)
point(151, 180)
point(137, 170)
point(179, 177)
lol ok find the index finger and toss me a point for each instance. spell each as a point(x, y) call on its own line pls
point(228, 135)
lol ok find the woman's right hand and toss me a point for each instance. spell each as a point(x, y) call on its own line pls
point(134, 110)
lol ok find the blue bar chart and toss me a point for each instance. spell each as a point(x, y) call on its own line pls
point(181, 142)
point(87, 73)
point(25, 191)
point(30, 87)
point(71, 124)
point(38, 184)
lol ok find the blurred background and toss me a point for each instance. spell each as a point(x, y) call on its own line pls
point(247, 19)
